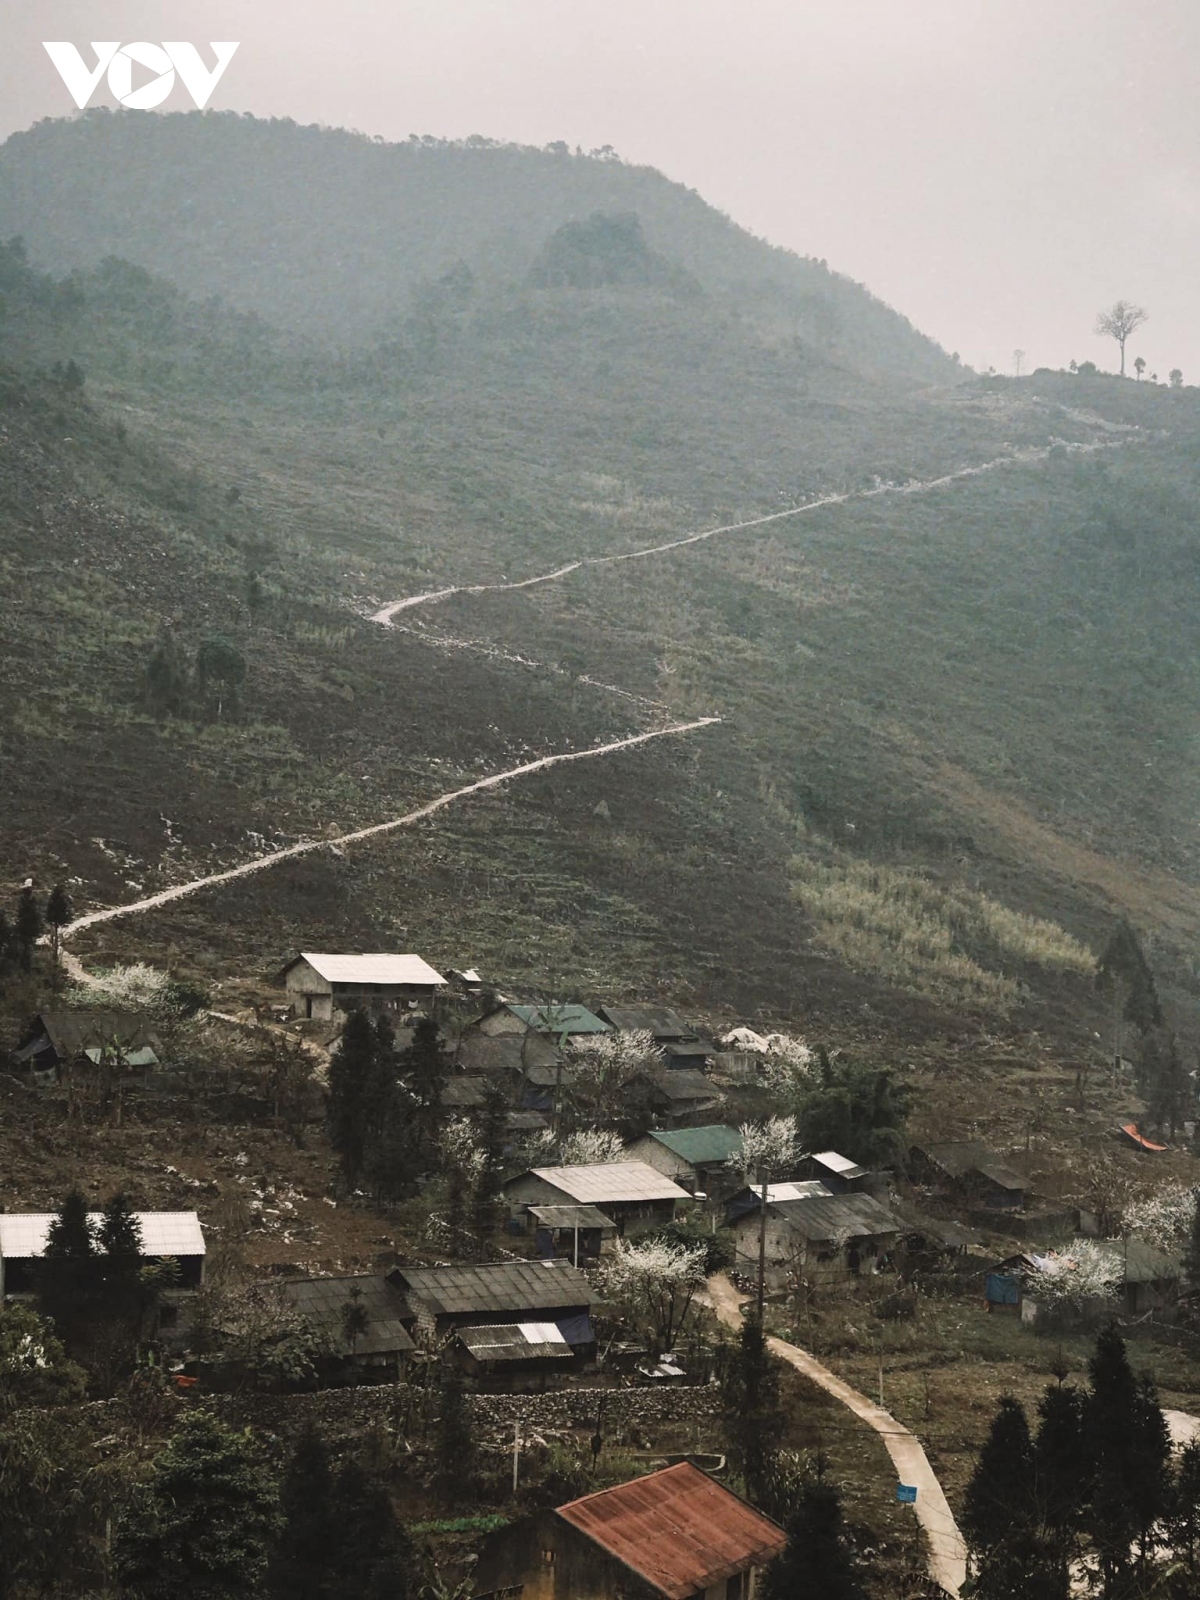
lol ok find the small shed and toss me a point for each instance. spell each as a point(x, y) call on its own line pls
point(575, 1233)
point(319, 983)
point(681, 1094)
point(361, 1320)
point(626, 1191)
point(838, 1173)
point(166, 1235)
point(514, 1355)
point(675, 1534)
point(663, 1024)
point(442, 1299)
point(705, 1158)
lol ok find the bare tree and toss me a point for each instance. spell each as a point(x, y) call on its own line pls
point(1118, 322)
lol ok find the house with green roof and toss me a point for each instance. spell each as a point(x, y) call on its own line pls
point(706, 1159)
point(559, 1021)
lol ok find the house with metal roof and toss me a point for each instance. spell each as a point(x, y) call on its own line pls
point(675, 1534)
point(849, 1231)
point(626, 1191)
point(705, 1159)
point(746, 1202)
point(970, 1172)
point(62, 1036)
point(361, 1320)
point(166, 1235)
point(442, 1299)
point(678, 1095)
point(660, 1021)
point(513, 1355)
point(576, 1233)
point(838, 1173)
point(556, 1022)
point(319, 983)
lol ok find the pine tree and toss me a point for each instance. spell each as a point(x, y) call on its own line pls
point(1060, 1483)
point(304, 1562)
point(425, 1066)
point(1000, 1494)
point(28, 927)
point(1126, 1452)
point(1183, 1520)
point(67, 1278)
point(350, 1077)
point(119, 1237)
point(454, 1440)
point(375, 1557)
point(8, 943)
point(818, 1559)
point(754, 1423)
point(58, 915)
point(1168, 1088)
point(207, 1520)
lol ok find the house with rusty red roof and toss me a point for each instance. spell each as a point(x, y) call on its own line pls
point(676, 1534)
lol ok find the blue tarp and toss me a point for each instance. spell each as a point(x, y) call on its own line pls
point(1003, 1289)
point(577, 1330)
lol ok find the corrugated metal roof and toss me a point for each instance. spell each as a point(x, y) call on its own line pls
point(559, 1019)
point(856, 1215)
point(505, 1052)
point(610, 1183)
point(515, 1341)
point(73, 1032)
point(572, 1217)
point(663, 1024)
point(375, 968)
point(321, 1302)
point(1130, 1130)
point(509, 1286)
point(962, 1158)
point(678, 1528)
point(686, 1083)
point(23, 1234)
point(715, 1142)
point(463, 1092)
point(842, 1165)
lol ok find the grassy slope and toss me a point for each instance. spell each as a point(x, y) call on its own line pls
point(975, 683)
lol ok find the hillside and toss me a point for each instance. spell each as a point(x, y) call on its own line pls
point(959, 722)
point(336, 235)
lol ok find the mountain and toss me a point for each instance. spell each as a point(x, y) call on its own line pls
point(331, 233)
point(958, 696)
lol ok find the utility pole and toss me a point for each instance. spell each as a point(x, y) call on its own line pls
point(762, 1251)
point(516, 1453)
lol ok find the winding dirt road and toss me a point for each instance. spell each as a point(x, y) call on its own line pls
point(307, 847)
point(947, 1551)
point(1026, 457)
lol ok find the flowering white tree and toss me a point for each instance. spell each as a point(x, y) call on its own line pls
point(462, 1154)
point(604, 1065)
point(1073, 1277)
point(133, 988)
point(656, 1283)
point(768, 1148)
point(587, 1147)
point(1165, 1218)
point(787, 1065)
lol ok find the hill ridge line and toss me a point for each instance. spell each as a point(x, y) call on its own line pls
point(306, 847)
point(1030, 455)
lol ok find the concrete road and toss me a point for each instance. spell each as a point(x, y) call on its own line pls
point(947, 1551)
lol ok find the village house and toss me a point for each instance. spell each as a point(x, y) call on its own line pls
point(166, 1236)
point(679, 1045)
point(675, 1534)
point(320, 984)
point(702, 1160)
point(514, 1356)
point(628, 1192)
point(970, 1173)
point(579, 1234)
point(360, 1320)
point(1148, 1280)
point(851, 1232)
point(555, 1022)
point(60, 1037)
point(443, 1299)
point(748, 1200)
point(678, 1095)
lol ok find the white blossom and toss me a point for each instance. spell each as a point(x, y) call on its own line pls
point(1164, 1218)
point(460, 1149)
point(768, 1148)
point(1087, 1271)
point(656, 1281)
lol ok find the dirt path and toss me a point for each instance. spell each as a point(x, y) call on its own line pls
point(261, 863)
point(947, 1552)
point(1026, 457)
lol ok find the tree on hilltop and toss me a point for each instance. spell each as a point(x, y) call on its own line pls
point(1118, 322)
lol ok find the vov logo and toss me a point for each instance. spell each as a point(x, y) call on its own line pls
point(164, 60)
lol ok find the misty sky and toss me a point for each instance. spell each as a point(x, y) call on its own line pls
point(996, 169)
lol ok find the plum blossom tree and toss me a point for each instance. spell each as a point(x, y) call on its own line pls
point(656, 1282)
point(768, 1148)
